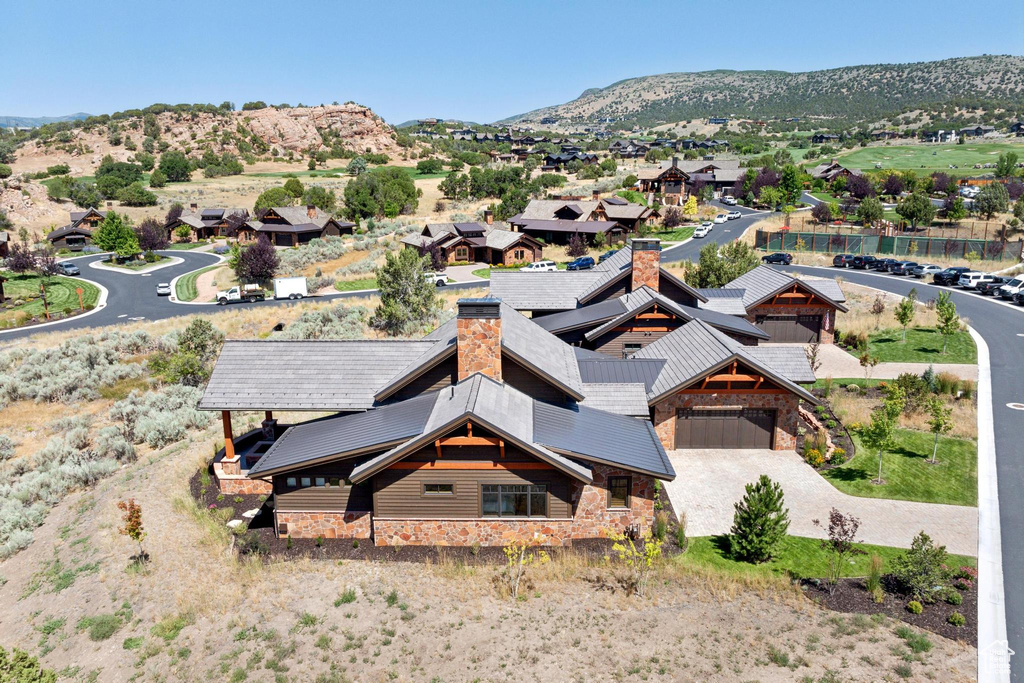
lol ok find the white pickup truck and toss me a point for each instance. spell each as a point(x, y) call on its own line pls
point(248, 293)
point(439, 279)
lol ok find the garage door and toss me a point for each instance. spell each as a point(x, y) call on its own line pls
point(746, 428)
point(803, 329)
point(282, 239)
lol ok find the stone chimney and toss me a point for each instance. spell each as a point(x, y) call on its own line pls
point(646, 262)
point(311, 211)
point(596, 195)
point(194, 207)
point(675, 162)
point(110, 205)
point(489, 217)
point(478, 338)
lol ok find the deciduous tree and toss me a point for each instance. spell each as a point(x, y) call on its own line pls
point(905, 311)
point(257, 262)
point(949, 320)
point(917, 209)
point(939, 421)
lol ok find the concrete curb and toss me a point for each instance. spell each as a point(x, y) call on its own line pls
point(991, 597)
point(98, 265)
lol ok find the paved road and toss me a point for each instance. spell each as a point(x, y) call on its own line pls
point(1002, 326)
point(721, 234)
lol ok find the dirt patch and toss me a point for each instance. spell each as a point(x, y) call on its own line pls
point(850, 596)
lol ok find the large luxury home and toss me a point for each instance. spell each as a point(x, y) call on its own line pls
point(675, 180)
point(475, 242)
point(290, 226)
point(77, 234)
point(496, 426)
point(556, 220)
point(207, 223)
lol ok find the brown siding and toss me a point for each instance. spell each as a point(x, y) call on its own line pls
point(399, 492)
point(676, 293)
point(612, 343)
point(444, 374)
point(614, 290)
point(531, 384)
point(335, 499)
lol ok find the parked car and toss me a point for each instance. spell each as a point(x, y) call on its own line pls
point(925, 270)
point(949, 276)
point(701, 231)
point(721, 218)
point(778, 257)
point(582, 263)
point(439, 279)
point(991, 286)
point(733, 215)
point(729, 200)
point(607, 255)
point(68, 269)
point(248, 293)
point(842, 260)
point(973, 278)
point(903, 267)
point(861, 262)
point(544, 266)
point(1018, 298)
point(290, 288)
point(883, 265)
point(1011, 288)
point(163, 289)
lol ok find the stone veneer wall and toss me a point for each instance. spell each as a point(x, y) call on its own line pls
point(592, 519)
point(786, 408)
point(323, 524)
point(231, 481)
point(479, 347)
point(646, 268)
point(827, 313)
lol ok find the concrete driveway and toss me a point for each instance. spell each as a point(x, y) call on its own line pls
point(708, 482)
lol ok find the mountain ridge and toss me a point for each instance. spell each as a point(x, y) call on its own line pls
point(11, 121)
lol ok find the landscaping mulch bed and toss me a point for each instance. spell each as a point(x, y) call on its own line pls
point(262, 527)
point(840, 435)
point(851, 597)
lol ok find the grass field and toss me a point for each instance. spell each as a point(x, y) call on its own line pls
point(798, 557)
point(927, 158)
point(924, 345)
point(60, 295)
point(677, 235)
point(953, 480)
point(185, 287)
point(355, 285)
point(184, 246)
point(843, 382)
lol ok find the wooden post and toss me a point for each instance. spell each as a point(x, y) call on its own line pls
point(229, 443)
point(268, 415)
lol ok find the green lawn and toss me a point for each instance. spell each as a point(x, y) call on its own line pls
point(485, 273)
point(187, 245)
point(923, 345)
point(907, 474)
point(355, 285)
point(926, 159)
point(677, 235)
point(798, 557)
point(60, 295)
point(825, 197)
point(185, 287)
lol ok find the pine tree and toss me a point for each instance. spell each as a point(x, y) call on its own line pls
point(760, 521)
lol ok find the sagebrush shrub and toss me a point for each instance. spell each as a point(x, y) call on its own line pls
point(339, 322)
point(7, 446)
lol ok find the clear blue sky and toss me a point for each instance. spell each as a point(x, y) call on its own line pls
point(478, 61)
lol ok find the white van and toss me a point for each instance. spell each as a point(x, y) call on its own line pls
point(540, 267)
point(972, 278)
point(1011, 288)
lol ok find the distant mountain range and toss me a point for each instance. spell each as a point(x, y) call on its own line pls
point(36, 121)
point(850, 94)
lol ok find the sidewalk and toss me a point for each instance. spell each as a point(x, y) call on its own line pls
point(836, 362)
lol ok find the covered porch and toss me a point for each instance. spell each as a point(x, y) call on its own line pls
point(232, 462)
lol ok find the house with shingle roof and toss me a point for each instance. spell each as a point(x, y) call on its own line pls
point(550, 219)
point(831, 170)
point(208, 223)
point(490, 428)
point(77, 234)
point(476, 243)
point(290, 226)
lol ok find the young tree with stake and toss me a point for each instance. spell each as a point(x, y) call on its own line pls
point(940, 420)
point(905, 311)
point(132, 528)
point(949, 319)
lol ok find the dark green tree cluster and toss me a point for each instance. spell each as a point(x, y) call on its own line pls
point(380, 192)
point(716, 266)
point(408, 301)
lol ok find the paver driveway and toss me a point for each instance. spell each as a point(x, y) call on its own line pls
point(709, 481)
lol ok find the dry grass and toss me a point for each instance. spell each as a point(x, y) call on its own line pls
point(853, 407)
point(860, 319)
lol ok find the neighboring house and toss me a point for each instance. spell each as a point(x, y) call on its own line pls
point(205, 223)
point(977, 131)
point(669, 181)
point(489, 429)
point(558, 161)
point(78, 233)
point(5, 241)
point(885, 134)
point(831, 170)
point(628, 149)
point(718, 120)
point(625, 213)
point(823, 138)
point(790, 309)
point(476, 243)
point(290, 226)
point(1017, 128)
point(939, 135)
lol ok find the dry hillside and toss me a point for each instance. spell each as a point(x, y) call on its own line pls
point(292, 130)
point(865, 93)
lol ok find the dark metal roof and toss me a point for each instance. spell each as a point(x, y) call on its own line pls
point(607, 370)
point(335, 436)
point(581, 317)
point(68, 230)
point(601, 436)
